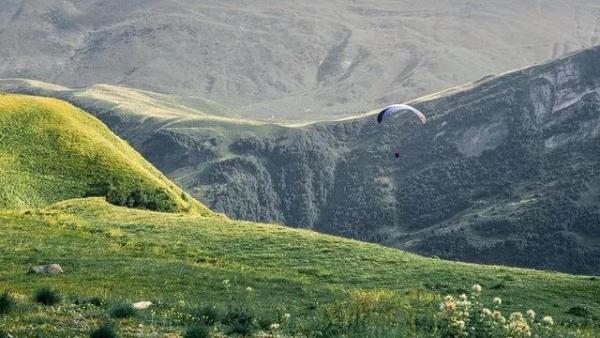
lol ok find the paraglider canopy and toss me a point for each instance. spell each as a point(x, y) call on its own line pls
point(395, 108)
point(388, 111)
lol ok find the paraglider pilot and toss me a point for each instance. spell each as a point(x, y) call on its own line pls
point(391, 110)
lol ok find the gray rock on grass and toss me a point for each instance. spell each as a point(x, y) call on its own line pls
point(50, 269)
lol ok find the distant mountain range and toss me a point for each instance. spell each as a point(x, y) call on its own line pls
point(507, 170)
point(298, 60)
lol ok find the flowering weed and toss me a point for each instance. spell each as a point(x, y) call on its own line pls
point(467, 316)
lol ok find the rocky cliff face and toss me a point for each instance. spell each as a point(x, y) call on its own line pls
point(505, 171)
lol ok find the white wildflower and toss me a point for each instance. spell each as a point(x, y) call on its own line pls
point(275, 326)
point(449, 304)
point(498, 316)
point(547, 320)
point(516, 316)
point(518, 327)
point(476, 288)
point(497, 300)
point(460, 324)
point(531, 314)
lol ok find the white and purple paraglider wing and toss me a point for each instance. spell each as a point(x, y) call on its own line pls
point(395, 108)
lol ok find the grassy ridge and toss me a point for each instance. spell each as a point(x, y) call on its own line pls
point(120, 253)
point(51, 151)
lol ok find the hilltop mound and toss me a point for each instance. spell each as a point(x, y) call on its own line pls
point(51, 151)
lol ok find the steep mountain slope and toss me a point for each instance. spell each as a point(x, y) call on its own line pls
point(300, 60)
point(51, 151)
point(506, 170)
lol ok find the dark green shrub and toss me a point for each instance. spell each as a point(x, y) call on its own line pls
point(327, 330)
point(95, 301)
point(425, 323)
point(157, 199)
point(208, 315)
point(200, 331)
point(579, 311)
point(47, 296)
point(499, 285)
point(238, 321)
point(116, 196)
point(264, 323)
point(104, 331)
point(123, 310)
point(6, 303)
point(136, 199)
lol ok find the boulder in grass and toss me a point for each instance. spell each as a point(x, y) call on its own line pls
point(50, 269)
point(142, 305)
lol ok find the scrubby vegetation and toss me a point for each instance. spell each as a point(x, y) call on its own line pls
point(359, 313)
point(47, 296)
point(6, 303)
point(122, 310)
point(104, 331)
point(238, 321)
point(207, 315)
point(197, 332)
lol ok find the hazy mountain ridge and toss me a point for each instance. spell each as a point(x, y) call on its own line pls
point(296, 61)
point(505, 170)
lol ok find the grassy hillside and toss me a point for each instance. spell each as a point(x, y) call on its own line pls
point(51, 151)
point(329, 286)
point(206, 272)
